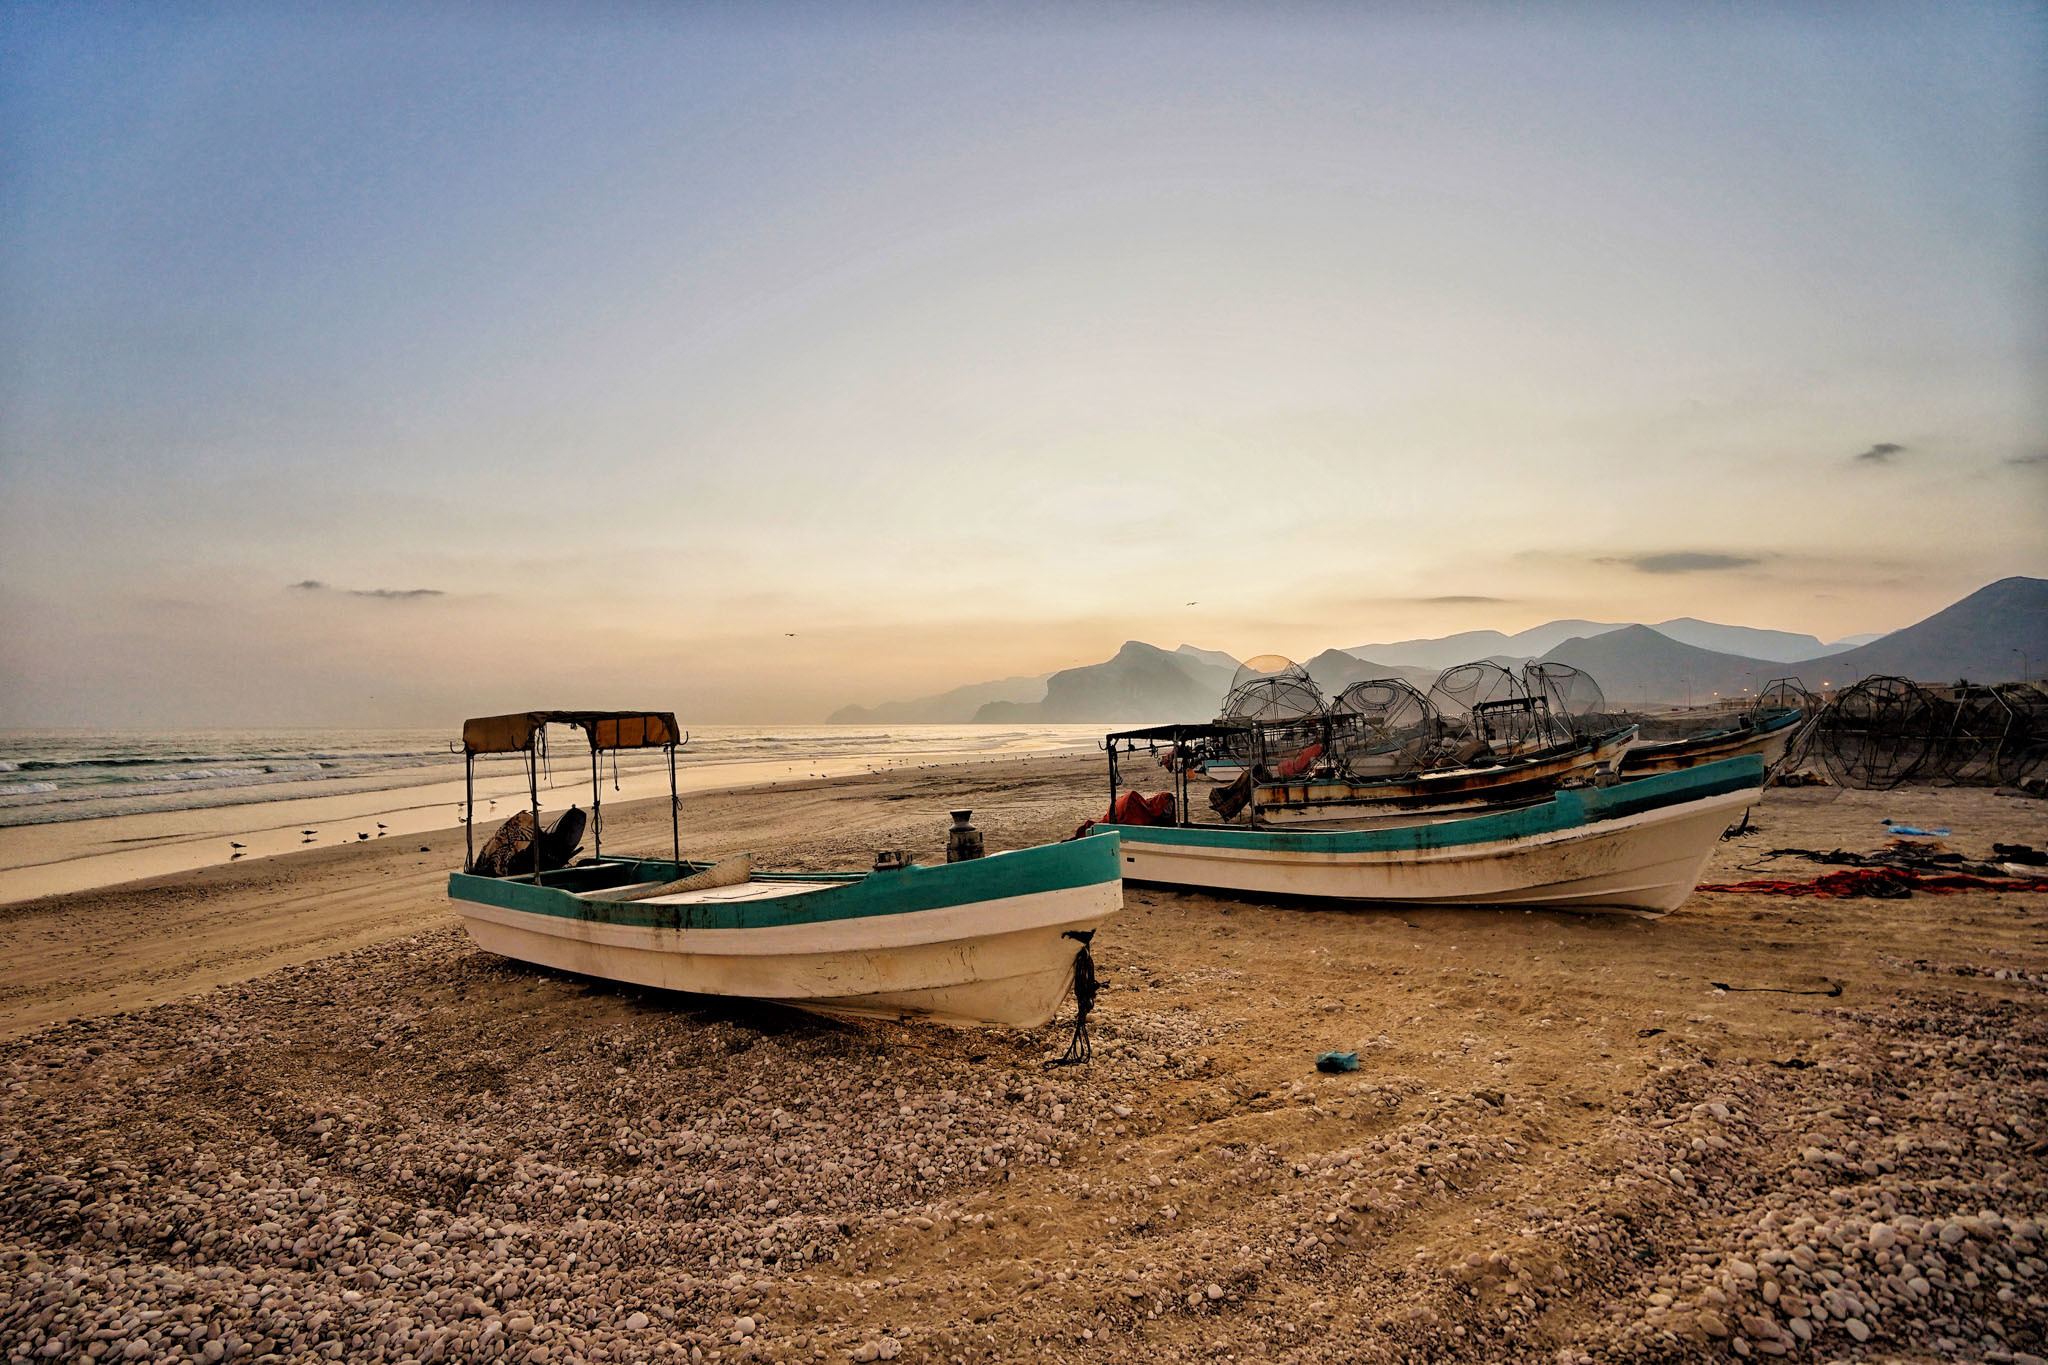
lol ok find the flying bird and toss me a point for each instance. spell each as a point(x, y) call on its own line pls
point(233, 844)
point(1194, 604)
point(309, 831)
point(789, 635)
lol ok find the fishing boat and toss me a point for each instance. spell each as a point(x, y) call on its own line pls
point(1636, 846)
point(1436, 793)
point(1764, 733)
point(998, 940)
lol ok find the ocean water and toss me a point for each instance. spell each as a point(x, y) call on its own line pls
point(54, 775)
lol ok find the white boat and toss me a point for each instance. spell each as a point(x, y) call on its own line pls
point(1636, 846)
point(991, 940)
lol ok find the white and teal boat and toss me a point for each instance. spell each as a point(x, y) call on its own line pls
point(1637, 846)
point(992, 940)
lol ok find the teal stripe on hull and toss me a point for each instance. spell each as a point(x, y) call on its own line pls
point(1566, 810)
point(1049, 867)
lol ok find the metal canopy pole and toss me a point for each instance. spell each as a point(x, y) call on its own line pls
point(675, 820)
point(533, 787)
point(1180, 757)
point(468, 809)
point(596, 804)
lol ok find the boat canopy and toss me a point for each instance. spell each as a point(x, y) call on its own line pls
point(514, 734)
point(1175, 734)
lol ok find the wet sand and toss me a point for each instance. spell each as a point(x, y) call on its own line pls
point(1564, 1142)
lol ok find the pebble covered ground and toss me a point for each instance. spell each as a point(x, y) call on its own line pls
point(1563, 1143)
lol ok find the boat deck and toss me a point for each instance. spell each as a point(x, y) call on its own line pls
point(719, 895)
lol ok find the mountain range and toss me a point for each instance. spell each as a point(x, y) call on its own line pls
point(1989, 636)
point(1781, 646)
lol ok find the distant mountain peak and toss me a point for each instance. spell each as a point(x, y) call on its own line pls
point(1992, 635)
point(1209, 656)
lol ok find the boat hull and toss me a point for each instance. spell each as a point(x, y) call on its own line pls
point(1768, 741)
point(1644, 857)
point(978, 958)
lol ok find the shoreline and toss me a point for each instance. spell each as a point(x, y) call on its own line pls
point(60, 857)
point(155, 938)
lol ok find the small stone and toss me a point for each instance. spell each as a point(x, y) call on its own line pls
point(887, 1348)
point(1713, 1324)
point(1858, 1329)
point(636, 1322)
point(1214, 1291)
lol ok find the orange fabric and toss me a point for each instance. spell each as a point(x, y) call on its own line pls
point(1300, 763)
point(1136, 808)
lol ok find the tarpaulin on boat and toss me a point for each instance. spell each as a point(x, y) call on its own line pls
point(514, 734)
point(1136, 808)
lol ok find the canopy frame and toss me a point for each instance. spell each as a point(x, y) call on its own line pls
point(522, 732)
point(1177, 737)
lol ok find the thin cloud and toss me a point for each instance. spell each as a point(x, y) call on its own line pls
point(2038, 457)
point(376, 594)
point(1683, 561)
point(1884, 452)
point(1461, 600)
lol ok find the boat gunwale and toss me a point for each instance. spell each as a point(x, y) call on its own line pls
point(1567, 810)
point(1088, 861)
point(1755, 729)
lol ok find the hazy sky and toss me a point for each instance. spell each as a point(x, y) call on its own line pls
point(386, 365)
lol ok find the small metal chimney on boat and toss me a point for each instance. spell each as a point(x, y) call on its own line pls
point(963, 841)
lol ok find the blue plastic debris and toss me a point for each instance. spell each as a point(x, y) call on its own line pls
point(1915, 832)
point(1337, 1061)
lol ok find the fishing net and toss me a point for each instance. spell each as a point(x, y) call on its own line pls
point(1382, 726)
point(1463, 686)
point(2022, 754)
point(1292, 749)
point(1512, 725)
point(1388, 705)
point(1968, 732)
point(1885, 731)
point(1272, 688)
point(1787, 694)
point(1571, 693)
point(1878, 733)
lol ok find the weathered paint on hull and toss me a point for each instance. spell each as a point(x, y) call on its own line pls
point(1770, 745)
point(1636, 846)
point(1646, 863)
point(996, 962)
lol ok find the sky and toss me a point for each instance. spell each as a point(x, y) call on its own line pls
point(384, 365)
